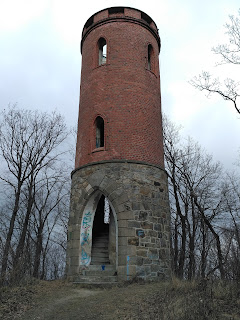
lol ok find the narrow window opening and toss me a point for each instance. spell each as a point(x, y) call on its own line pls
point(150, 58)
point(89, 22)
point(102, 51)
point(145, 17)
point(115, 10)
point(99, 132)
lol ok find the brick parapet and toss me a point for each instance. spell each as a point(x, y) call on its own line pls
point(121, 19)
point(129, 14)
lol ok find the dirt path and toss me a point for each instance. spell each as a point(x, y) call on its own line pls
point(73, 302)
point(59, 300)
point(66, 304)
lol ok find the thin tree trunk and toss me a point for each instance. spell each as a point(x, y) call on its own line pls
point(175, 259)
point(38, 252)
point(21, 242)
point(182, 255)
point(191, 266)
point(203, 253)
point(216, 236)
point(9, 236)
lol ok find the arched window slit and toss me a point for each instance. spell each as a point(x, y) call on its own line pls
point(150, 58)
point(99, 132)
point(102, 51)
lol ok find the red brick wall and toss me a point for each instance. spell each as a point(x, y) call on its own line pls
point(123, 92)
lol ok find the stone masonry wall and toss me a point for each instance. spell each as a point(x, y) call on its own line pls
point(139, 194)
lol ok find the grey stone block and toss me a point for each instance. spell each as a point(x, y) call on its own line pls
point(135, 260)
point(125, 215)
point(96, 178)
point(142, 252)
point(122, 241)
point(134, 241)
point(133, 224)
point(126, 232)
point(143, 215)
point(123, 223)
point(146, 225)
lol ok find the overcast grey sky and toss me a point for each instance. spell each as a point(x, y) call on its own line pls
point(40, 61)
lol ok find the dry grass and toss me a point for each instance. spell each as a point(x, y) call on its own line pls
point(162, 300)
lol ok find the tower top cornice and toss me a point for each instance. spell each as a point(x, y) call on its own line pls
point(120, 14)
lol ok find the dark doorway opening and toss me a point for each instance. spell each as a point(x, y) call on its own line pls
point(103, 235)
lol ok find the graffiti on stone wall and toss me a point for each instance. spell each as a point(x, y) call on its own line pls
point(86, 239)
point(85, 258)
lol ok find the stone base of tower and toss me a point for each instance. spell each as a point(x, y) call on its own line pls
point(139, 229)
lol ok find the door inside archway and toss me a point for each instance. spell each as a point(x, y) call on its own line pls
point(103, 235)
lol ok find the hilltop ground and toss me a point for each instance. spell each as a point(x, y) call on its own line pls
point(176, 300)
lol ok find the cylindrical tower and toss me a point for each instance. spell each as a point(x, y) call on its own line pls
point(119, 199)
point(120, 83)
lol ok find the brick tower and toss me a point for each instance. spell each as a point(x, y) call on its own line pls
point(119, 213)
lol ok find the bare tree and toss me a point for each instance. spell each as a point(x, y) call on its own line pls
point(231, 204)
point(172, 157)
point(48, 201)
point(229, 54)
point(29, 142)
point(195, 203)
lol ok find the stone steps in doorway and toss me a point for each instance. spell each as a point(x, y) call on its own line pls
point(94, 275)
point(103, 270)
point(99, 261)
point(96, 279)
point(100, 245)
point(99, 253)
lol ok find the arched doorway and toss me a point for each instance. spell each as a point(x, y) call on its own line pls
point(103, 235)
point(99, 233)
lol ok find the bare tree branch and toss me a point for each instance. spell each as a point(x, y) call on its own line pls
point(230, 54)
